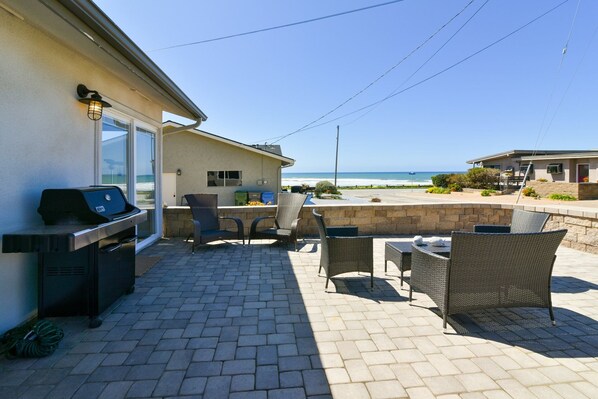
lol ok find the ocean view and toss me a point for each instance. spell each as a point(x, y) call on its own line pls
point(345, 179)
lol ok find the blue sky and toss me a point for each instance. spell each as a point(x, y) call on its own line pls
point(519, 94)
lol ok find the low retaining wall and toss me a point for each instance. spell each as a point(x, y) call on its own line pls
point(581, 191)
point(409, 219)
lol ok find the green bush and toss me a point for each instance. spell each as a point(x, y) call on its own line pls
point(487, 193)
point(438, 190)
point(441, 180)
point(529, 192)
point(325, 187)
point(455, 187)
point(482, 178)
point(562, 197)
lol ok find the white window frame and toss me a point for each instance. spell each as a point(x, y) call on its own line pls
point(156, 128)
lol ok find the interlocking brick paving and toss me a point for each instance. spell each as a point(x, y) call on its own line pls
point(255, 321)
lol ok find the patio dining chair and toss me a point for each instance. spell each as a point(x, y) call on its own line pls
point(206, 222)
point(521, 222)
point(285, 223)
point(344, 254)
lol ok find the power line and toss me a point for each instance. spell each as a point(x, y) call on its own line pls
point(278, 27)
point(425, 62)
point(437, 73)
point(381, 76)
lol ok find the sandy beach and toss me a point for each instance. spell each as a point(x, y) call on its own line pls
point(407, 196)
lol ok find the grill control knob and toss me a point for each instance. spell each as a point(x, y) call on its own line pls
point(107, 197)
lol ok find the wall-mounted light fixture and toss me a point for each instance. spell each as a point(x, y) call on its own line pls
point(179, 172)
point(95, 104)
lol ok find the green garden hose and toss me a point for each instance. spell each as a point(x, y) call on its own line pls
point(33, 339)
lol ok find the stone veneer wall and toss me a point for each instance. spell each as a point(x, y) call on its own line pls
point(409, 219)
point(581, 191)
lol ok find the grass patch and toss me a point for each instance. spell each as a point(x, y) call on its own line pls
point(438, 190)
point(562, 197)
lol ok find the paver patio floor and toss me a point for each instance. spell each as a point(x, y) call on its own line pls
point(254, 321)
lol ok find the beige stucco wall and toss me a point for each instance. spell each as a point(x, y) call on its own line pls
point(569, 174)
point(195, 155)
point(46, 140)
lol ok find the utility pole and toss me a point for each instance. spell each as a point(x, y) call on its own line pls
point(336, 161)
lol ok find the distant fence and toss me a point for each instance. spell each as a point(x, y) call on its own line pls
point(407, 219)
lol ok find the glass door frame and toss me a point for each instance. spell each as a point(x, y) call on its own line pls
point(134, 123)
point(587, 165)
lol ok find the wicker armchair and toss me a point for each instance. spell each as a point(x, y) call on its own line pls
point(344, 254)
point(488, 271)
point(206, 222)
point(285, 221)
point(521, 222)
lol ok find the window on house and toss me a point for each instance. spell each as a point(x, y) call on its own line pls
point(224, 178)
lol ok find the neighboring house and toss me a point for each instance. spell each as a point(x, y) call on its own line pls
point(514, 161)
point(48, 141)
point(196, 161)
point(580, 167)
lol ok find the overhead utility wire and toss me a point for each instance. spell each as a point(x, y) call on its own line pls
point(381, 76)
point(424, 63)
point(542, 132)
point(442, 71)
point(279, 26)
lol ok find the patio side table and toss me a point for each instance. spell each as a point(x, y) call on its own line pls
point(400, 254)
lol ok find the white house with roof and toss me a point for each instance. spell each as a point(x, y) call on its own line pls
point(514, 160)
point(49, 48)
point(196, 161)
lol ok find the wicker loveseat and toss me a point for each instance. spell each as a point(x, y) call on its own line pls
point(488, 271)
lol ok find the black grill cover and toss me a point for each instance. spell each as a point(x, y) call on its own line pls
point(84, 205)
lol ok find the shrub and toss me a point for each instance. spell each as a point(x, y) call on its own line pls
point(375, 199)
point(484, 178)
point(562, 197)
point(487, 193)
point(441, 180)
point(455, 187)
point(542, 180)
point(438, 190)
point(325, 187)
point(255, 203)
point(529, 192)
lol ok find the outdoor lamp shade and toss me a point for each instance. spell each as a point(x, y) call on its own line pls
point(95, 104)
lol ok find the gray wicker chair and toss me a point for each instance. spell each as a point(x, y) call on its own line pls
point(206, 222)
point(344, 254)
point(521, 222)
point(488, 271)
point(285, 222)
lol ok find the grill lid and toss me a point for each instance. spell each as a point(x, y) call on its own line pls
point(84, 205)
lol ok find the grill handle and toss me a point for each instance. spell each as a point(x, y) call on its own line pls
point(127, 240)
point(111, 248)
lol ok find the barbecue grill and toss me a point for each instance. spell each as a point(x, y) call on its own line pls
point(86, 250)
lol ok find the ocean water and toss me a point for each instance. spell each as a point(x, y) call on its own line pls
point(345, 179)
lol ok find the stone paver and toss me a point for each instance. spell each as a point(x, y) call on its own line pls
point(235, 321)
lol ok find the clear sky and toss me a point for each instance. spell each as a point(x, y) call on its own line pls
point(518, 94)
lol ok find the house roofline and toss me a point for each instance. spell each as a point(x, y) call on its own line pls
point(107, 30)
point(287, 162)
point(523, 153)
point(586, 154)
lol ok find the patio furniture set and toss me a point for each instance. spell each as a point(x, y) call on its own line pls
point(491, 267)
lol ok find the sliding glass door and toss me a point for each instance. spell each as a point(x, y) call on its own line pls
point(128, 159)
point(145, 179)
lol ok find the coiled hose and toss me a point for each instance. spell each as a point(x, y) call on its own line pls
point(34, 339)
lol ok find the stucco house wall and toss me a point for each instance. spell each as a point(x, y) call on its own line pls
point(569, 174)
point(195, 155)
point(46, 140)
